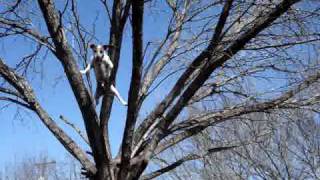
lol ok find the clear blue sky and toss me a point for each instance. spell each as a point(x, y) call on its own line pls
point(26, 136)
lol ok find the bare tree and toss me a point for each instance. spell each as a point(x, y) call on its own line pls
point(268, 146)
point(40, 166)
point(216, 55)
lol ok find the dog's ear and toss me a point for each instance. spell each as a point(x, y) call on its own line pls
point(105, 47)
point(92, 46)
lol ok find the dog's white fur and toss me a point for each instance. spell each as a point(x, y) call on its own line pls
point(102, 66)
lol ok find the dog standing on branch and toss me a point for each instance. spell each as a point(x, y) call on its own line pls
point(102, 66)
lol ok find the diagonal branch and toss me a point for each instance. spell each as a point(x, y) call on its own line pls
point(15, 101)
point(213, 63)
point(195, 125)
point(211, 88)
point(105, 4)
point(152, 74)
point(137, 60)
point(31, 32)
point(184, 159)
point(10, 92)
point(21, 85)
point(185, 77)
point(73, 126)
point(85, 102)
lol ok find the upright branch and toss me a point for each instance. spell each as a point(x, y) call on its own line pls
point(118, 21)
point(137, 60)
point(85, 102)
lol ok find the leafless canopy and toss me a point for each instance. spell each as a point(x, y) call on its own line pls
point(226, 59)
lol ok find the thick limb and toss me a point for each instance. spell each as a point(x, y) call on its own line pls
point(115, 91)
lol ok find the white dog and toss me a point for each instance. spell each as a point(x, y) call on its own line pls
point(102, 66)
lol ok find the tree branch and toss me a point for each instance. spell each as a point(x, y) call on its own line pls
point(73, 126)
point(185, 77)
point(184, 159)
point(125, 13)
point(21, 85)
point(104, 2)
point(213, 63)
point(133, 105)
point(10, 92)
point(199, 123)
point(152, 74)
point(15, 101)
point(85, 102)
point(118, 22)
point(31, 32)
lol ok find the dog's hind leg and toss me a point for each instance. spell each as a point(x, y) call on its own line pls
point(115, 91)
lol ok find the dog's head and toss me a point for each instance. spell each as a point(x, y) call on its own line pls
point(99, 50)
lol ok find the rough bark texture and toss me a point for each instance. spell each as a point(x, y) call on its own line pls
point(132, 114)
point(28, 95)
point(85, 102)
point(157, 132)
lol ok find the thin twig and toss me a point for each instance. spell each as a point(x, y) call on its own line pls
point(73, 126)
